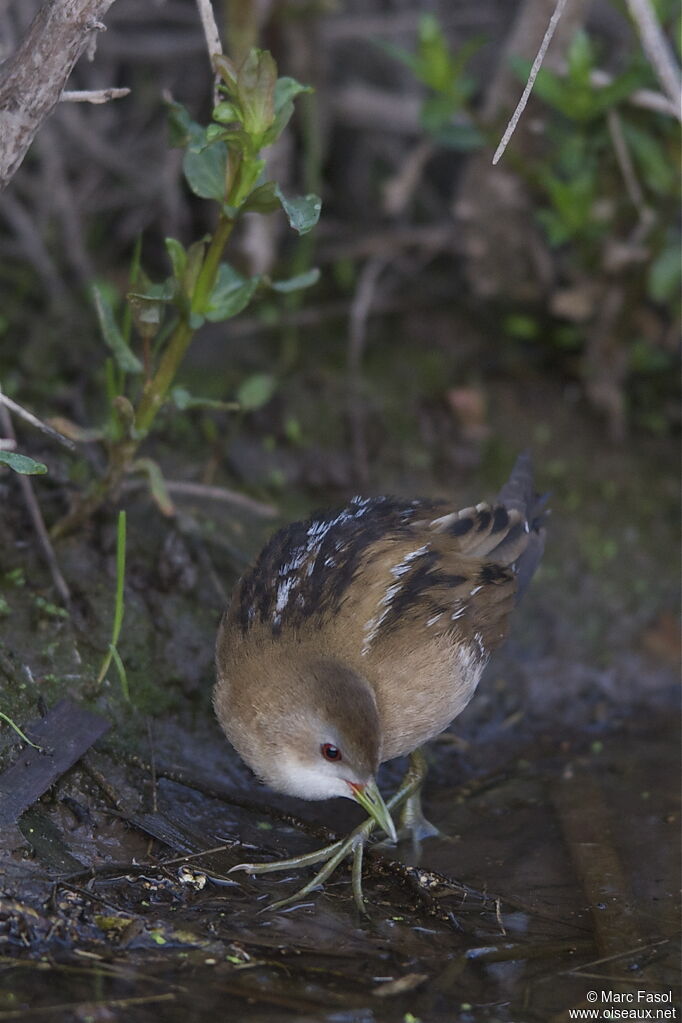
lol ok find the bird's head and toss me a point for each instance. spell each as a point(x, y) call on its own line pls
point(308, 727)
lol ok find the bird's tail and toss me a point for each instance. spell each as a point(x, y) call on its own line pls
point(519, 494)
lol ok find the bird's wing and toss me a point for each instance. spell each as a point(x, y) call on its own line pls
point(449, 575)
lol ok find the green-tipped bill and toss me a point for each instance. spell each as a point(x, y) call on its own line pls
point(371, 800)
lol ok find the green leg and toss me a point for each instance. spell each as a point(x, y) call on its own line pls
point(413, 823)
point(352, 846)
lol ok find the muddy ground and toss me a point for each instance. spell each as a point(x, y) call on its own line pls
point(557, 789)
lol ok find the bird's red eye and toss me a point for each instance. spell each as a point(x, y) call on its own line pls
point(330, 752)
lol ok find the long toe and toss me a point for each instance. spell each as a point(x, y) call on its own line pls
point(352, 846)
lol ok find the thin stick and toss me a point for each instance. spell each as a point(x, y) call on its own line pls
point(37, 516)
point(23, 413)
point(657, 51)
point(266, 511)
point(537, 64)
point(211, 34)
point(92, 95)
point(626, 166)
point(647, 99)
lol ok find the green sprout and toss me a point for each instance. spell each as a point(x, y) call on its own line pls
point(119, 608)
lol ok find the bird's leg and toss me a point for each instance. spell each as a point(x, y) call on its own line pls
point(337, 851)
point(412, 819)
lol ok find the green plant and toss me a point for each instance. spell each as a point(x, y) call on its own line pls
point(19, 732)
point(222, 163)
point(607, 179)
point(578, 166)
point(119, 610)
point(445, 113)
point(22, 463)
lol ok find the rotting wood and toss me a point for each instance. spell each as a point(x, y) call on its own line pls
point(65, 733)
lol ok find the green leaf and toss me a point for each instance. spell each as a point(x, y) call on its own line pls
point(182, 129)
point(123, 356)
point(226, 113)
point(580, 59)
point(195, 261)
point(231, 294)
point(256, 81)
point(304, 280)
point(162, 292)
point(657, 165)
point(248, 173)
point(22, 463)
point(256, 391)
point(286, 91)
point(303, 212)
point(183, 400)
point(462, 137)
point(262, 200)
point(157, 486)
point(205, 170)
point(663, 284)
point(178, 258)
point(227, 71)
point(433, 55)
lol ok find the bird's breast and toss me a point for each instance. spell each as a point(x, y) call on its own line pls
point(421, 688)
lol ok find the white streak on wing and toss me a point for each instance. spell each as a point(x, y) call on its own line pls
point(404, 565)
point(374, 624)
point(433, 619)
point(283, 593)
point(475, 591)
point(307, 553)
point(458, 613)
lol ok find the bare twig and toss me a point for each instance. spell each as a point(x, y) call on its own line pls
point(23, 413)
point(647, 99)
point(265, 511)
point(657, 50)
point(537, 64)
point(208, 23)
point(627, 169)
point(37, 517)
point(212, 36)
point(400, 188)
point(93, 95)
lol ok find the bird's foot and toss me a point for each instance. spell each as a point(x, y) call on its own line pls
point(332, 855)
point(414, 827)
point(414, 824)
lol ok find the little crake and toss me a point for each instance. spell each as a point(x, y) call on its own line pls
point(361, 634)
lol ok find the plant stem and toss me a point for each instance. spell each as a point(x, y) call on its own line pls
point(157, 388)
point(123, 450)
point(118, 605)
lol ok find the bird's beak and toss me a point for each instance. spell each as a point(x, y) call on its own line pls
point(371, 800)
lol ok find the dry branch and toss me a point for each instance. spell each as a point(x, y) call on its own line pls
point(657, 50)
point(93, 95)
point(33, 79)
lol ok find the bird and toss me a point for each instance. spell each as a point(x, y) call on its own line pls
point(360, 634)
